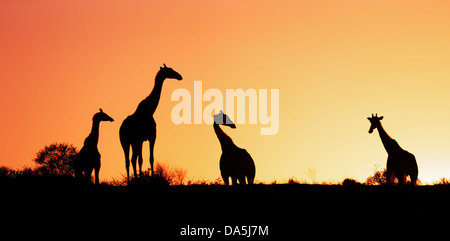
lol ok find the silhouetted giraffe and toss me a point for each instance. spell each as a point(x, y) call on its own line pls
point(141, 126)
point(400, 163)
point(88, 158)
point(235, 162)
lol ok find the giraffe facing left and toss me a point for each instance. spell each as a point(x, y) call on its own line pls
point(88, 158)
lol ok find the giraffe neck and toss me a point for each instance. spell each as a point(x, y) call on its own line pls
point(92, 139)
point(389, 144)
point(224, 139)
point(148, 105)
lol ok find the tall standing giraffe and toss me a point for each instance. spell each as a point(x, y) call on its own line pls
point(235, 162)
point(400, 163)
point(141, 126)
point(88, 159)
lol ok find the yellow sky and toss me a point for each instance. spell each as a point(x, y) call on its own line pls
point(334, 63)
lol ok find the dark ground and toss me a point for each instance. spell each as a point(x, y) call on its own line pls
point(160, 212)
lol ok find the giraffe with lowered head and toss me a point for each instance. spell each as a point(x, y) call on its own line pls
point(141, 126)
point(400, 163)
point(235, 162)
point(88, 159)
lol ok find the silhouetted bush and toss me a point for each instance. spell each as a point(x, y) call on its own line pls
point(164, 175)
point(442, 181)
point(378, 178)
point(349, 182)
point(146, 179)
point(118, 182)
point(33, 178)
point(217, 181)
point(293, 180)
point(173, 175)
point(56, 159)
point(9, 173)
point(6, 172)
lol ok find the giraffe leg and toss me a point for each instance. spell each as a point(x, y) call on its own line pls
point(140, 163)
point(249, 180)
point(125, 134)
point(152, 145)
point(234, 181)
point(226, 180)
point(401, 179)
point(126, 151)
point(413, 179)
point(97, 170)
point(139, 152)
point(127, 165)
point(88, 174)
point(78, 174)
point(242, 180)
point(389, 176)
point(134, 158)
point(97, 166)
point(412, 169)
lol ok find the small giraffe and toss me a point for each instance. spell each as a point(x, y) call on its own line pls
point(235, 162)
point(141, 126)
point(88, 158)
point(400, 163)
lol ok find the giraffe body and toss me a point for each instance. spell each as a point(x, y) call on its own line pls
point(238, 165)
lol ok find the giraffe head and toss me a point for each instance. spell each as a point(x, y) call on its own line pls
point(375, 122)
point(168, 73)
point(223, 119)
point(102, 116)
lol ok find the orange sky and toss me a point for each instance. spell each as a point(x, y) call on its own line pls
point(334, 63)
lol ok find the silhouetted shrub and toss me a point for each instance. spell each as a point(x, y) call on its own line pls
point(6, 172)
point(56, 159)
point(33, 179)
point(217, 181)
point(349, 182)
point(293, 180)
point(172, 175)
point(378, 178)
point(164, 175)
point(146, 179)
point(118, 182)
point(442, 181)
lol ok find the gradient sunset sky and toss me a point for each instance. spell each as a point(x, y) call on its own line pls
point(334, 63)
